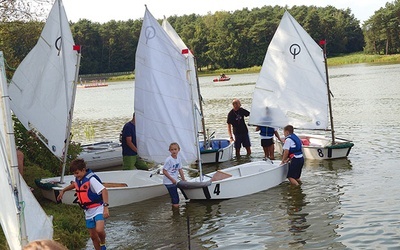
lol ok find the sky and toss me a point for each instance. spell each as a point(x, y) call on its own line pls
point(103, 11)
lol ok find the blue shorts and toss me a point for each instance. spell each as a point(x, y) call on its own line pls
point(295, 167)
point(242, 139)
point(91, 223)
point(173, 192)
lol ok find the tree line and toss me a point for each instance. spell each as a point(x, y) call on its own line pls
point(382, 30)
point(237, 39)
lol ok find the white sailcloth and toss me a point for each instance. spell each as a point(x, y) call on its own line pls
point(21, 217)
point(291, 88)
point(42, 88)
point(163, 99)
point(191, 70)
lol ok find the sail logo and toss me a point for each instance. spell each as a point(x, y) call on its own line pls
point(294, 50)
point(58, 45)
point(150, 33)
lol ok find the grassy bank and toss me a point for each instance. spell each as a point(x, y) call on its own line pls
point(354, 58)
point(68, 221)
point(363, 58)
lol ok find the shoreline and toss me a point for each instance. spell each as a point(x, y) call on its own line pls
point(347, 59)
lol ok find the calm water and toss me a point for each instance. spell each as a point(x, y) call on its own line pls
point(343, 204)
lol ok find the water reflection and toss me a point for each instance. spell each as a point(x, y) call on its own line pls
point(295, 203)
point(332, 165)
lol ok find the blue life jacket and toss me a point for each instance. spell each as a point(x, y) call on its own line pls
point(86, 198)
point(296, 150)
point(267, 131)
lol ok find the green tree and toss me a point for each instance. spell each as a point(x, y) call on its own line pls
point(16, 40)
point(87, 35)
point(382, 30)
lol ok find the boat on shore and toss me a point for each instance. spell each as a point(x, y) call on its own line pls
point(103, 154)
point(123, 186)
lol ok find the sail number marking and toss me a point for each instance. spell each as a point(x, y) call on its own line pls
point(217, 189)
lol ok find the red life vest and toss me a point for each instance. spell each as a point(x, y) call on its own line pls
point(87, 198)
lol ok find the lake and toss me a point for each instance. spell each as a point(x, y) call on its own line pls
point(348, 203)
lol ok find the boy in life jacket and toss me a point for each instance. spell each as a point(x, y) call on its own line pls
point(93, 198)
point(292, 153)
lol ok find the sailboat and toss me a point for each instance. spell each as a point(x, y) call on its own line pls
point(21, 216)
point(42, 93)
point(212, 150)
point(165, 96)
point(293, 88)
point(165, 74)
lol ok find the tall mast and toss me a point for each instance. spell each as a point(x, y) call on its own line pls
point(203, 123)
point(329, 93)
point(71, 111)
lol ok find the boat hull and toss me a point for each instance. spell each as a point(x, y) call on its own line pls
point(245, 179)
point(221, 151)
point(100, 155)
point(221, 79)
point(317, 147)
point(124, 187)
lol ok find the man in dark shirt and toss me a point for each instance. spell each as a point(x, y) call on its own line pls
point(129, 149)
point(236, 121)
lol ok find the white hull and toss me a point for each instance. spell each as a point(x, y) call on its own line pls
point(108, 154)
point(141, 185)
point(102, 155)
point(320, 147)
point(221, 151)
point(246, 179)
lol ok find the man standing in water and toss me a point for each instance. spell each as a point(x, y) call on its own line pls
point(130, 157)
point(236, 121)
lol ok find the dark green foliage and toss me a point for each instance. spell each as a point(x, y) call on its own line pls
point(382, 30)
point(37, 153)
point(224, 39)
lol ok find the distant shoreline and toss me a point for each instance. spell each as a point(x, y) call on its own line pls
point(354, 58)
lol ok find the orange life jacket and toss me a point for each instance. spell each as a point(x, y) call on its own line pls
point(86, 198)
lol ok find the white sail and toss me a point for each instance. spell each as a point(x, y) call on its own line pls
point(42, 89)
point(291, 88)
point(163, 99)
point(191, 70)
point(21, 217)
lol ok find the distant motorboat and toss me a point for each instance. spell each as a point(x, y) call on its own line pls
point(222, 79)
point(92, 84)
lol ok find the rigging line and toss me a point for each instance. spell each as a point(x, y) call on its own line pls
point(8, 66)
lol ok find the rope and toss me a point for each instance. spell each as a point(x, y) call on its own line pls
point(8, 66)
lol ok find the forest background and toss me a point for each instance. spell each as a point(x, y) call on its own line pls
point(221, 40)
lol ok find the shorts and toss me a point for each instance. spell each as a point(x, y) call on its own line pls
point(91, 223)
point(242, 139)
point(173, 192)
point(267, 142)
point(133, 162)
point(295, 167)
